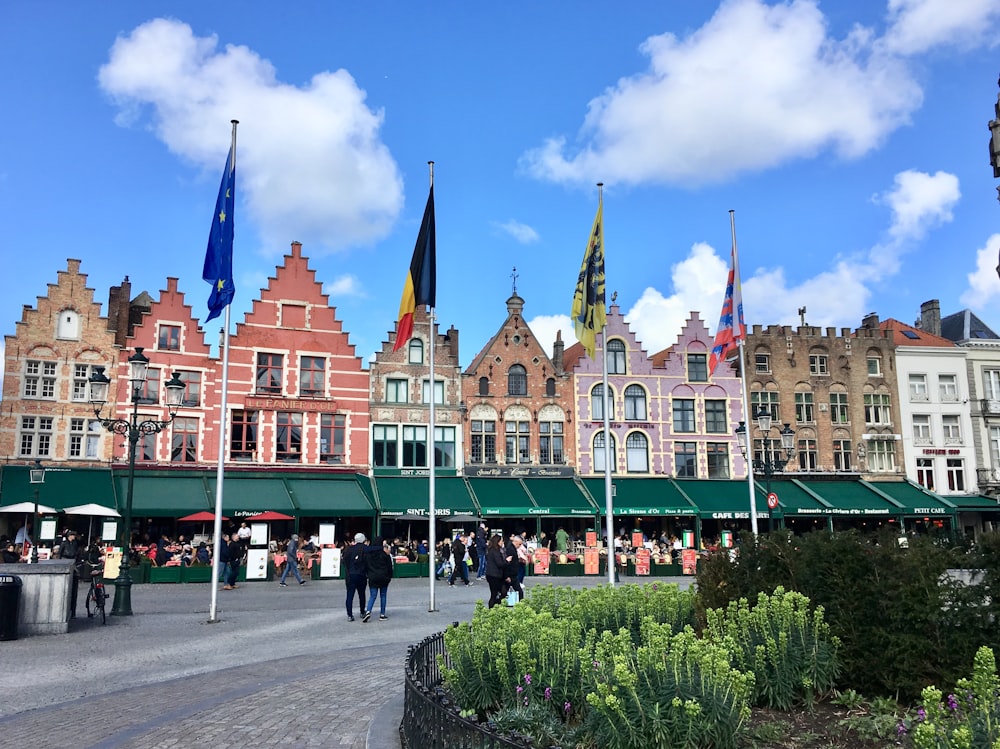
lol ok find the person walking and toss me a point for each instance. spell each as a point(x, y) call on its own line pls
point(512, 570)
point(355, 574)
point(235, 560)
point(378, 565)
point(458, 553)
point(496, 566)
point(482, 538)
point(292, 561)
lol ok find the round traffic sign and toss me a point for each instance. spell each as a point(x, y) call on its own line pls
point(772, 500)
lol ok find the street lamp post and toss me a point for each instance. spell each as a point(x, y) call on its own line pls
point(36, 476)
point(770, 460)
point(132, 429)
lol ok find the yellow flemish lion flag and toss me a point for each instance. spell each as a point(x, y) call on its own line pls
point(589, 314)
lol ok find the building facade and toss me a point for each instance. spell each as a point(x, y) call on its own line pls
point(401, 398)
point(837, 391)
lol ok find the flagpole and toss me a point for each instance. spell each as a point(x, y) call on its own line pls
point(608, 453)
point(220, 469)
point(737, 320)
point(432, 503)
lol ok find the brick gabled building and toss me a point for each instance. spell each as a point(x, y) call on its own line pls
point(400, 403)
point(519, 401)
point(55, 348)
point(298, 392)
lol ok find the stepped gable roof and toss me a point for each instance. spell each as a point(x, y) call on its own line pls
point(965, 326)
point(515, 306)
point(908, 335)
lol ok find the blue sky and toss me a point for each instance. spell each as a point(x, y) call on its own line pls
point(849, 137)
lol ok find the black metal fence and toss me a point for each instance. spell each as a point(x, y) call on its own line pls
point(431, 718)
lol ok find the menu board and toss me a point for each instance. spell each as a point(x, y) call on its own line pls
point(591, 538)
point(591, 561)
point(541, 566)
point(329, 562)
point(642, 562)
point(689, 561)
point(636, 539)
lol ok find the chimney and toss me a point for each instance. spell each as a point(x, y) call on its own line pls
point(118, 310)
point(870, 320)
point(452, 338)
point(557, 353)
point(930, 317)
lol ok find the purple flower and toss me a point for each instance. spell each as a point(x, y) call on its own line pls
point(520, 689)
point(952, 703)
point(527, 679)
point(921, 714)
point(567, 707)
point(548, 693)
point(901, 730)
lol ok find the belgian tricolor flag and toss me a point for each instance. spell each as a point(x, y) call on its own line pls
point(420, 281)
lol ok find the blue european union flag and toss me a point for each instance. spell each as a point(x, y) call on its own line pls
point(219, 256)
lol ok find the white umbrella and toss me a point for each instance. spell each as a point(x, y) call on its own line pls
point(93, 510)
point(26, 508)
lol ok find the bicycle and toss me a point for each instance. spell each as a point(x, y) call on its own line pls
point(97, 596)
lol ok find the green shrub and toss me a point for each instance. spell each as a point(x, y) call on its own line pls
point(788, 648)
point(900, 621)
point(967, 719)
point(675, 690)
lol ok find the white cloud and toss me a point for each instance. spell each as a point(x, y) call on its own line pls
point(545, 328)
point(310, 163)
point(918, 25)
point(984, 284)
point(920, 201)
point(346, 285)
point(521, 233)
point(755, 87)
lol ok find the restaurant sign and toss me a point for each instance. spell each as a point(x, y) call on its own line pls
point(439, 512)
point(839, 511)
point(290, 404)
point(656, 511)
point(520, 472)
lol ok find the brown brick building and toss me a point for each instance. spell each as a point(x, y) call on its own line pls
point(55, 348)
point(837, 391)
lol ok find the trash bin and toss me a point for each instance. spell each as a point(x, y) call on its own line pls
point(10, 599)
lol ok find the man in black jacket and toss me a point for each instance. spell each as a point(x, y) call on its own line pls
point(378, 563)
point(355, 574)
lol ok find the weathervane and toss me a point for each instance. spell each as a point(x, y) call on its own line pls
point(513, 274)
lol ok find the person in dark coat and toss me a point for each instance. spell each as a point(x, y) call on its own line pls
point(514, 567)
point(378, 564)
point(235, 560)
point(496, 570)
point(355, 574)
point(460, 567)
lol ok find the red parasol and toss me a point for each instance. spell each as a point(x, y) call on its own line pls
point(270, 515)
point(199, 517)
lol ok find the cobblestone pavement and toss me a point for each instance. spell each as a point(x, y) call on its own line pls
point(281, 666)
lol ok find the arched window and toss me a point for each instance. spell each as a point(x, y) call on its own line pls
point(597, 403)
point(484, 385)
point(636, 453)
point(635, 403)
point(415, 351)
point(616, 357)
point(599, 453)
point(550, 387)
point(517, 380)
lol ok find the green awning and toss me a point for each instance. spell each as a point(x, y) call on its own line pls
point(504, 496)
point(851, 498)
point(720, 499)
point(165, 495)
point(410, 495)
point(560, 496)
point(242, 495)
point(975, 503)
point(329, 496)
point(912, 499)
point(793, 500)
point(63, 487)
point(641, 497)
